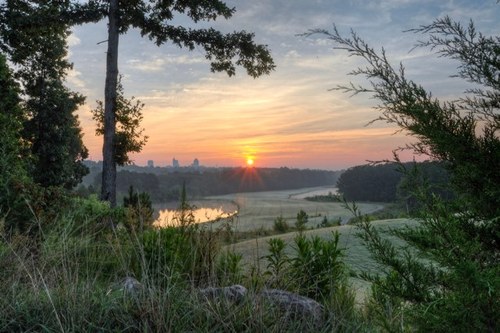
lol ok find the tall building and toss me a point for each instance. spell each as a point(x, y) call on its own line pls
point(151, 163)
point(196, 164)
point(175, 163)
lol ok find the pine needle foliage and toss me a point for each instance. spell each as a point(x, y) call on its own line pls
point(447, 277)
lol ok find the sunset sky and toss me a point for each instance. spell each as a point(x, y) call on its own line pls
point(289, 118)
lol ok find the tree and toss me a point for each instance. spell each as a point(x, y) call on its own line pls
point(370, 183)
point(12, 164)
point(387, 182)
point(458, 287)
point(302, 219)
point(450, 131)
point(152, 19)
point(128, 116)
point(51, 128)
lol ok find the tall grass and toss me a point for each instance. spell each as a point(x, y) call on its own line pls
point(69, 280)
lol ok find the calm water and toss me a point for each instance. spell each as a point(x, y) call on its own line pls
point(205, 211)
point(213, 209)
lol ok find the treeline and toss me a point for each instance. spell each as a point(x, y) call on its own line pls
point(392, 182)
point(216, 181)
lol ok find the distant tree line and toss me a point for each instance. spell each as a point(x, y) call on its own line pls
point(167, 186)
point(392, 182)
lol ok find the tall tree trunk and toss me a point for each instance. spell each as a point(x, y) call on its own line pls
point(108, 190)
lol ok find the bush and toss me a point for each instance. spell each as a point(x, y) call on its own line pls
point(139, 210)
point(314, 268)
point(229, 269)
point(280, 224)
point(278, 264)
point(325, 223)
point(183, 253)
point(317, 268)
point(302, 219)
point(38, 208)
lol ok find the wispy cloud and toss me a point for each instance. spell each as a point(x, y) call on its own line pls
point(162, 63)
point(290, 117)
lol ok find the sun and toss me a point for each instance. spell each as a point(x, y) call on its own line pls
point(250, 161)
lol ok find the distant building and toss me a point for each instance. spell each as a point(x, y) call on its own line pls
point(151, 164)
point(175, 163)
point(196, 164)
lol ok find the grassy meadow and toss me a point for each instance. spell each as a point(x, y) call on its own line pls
point(257, 210)
point(357, 257)
point(70, 278)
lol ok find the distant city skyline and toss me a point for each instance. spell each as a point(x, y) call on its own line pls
point(289, 118)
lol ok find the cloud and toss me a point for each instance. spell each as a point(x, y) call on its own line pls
point(161, 63)
point(74, 78)
point(73, 40)
point(290, 117)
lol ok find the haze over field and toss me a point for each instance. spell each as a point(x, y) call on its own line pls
point(288, 118)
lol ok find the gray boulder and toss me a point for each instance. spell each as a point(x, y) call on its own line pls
point(127, 286)
point(293, 305)
point(235, 293)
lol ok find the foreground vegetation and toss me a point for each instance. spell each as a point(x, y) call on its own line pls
point(70, 278)
point(72, 264)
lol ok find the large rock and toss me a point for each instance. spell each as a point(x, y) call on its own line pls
point(131, 285)
point(294, 306)
point(128, 286)
point(235, 293)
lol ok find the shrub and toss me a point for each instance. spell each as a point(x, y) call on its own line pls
point(317, 268)
point(187, 253)
point(139, 210)
point(229, 269)
point(280, 224)
point(37, 209)
point(325, 223)
point(302, 219)
point(448, 280)
point(278, 264)
point(314, 268)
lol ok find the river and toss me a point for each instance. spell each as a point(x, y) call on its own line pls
point(253, 210)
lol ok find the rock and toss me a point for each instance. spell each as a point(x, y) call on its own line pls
point(293, 305)
point(235, 293)
point(127, 286)
point(131, 285)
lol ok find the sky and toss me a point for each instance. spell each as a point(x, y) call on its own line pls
point(289, 118)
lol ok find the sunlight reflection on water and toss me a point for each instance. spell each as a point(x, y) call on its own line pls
point(167, 217)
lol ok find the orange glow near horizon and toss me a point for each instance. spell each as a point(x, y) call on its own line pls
point(282, 128)
point(293, 117)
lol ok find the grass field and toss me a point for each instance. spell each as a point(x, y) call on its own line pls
point(357, 256)
point(77, 278)
point(259, 209)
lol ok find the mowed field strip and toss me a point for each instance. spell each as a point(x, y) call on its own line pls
point(357, 257)
point(259, 209)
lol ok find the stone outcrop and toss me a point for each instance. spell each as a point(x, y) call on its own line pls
point(128, 286)
point(235, 293)
point(292, 306)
